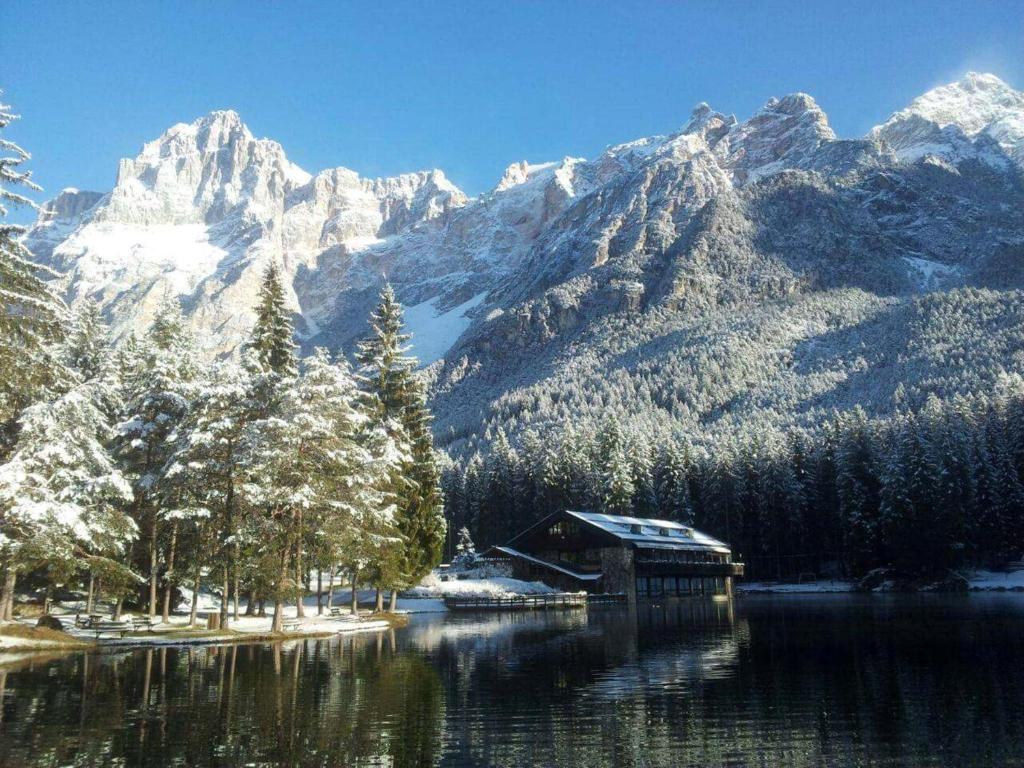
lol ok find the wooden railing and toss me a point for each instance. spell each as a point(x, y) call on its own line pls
point(518, 602)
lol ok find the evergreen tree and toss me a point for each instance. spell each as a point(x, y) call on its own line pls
point(615, 479)
point(673, 484)
point(272, 340)
point(34, 316)
point(401, 406)
point(61, 491)
point(207, 468)
point(160, 387)
point(87, 346)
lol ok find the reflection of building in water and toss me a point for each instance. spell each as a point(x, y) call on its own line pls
point(640, 557)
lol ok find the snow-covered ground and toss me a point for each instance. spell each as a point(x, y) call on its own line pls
point(478, 586)
point(161, 634)
point(434, 333)
point(978, 581)
point(807, 587)
point(997, 580)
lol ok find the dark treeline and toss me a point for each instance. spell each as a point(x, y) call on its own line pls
point(920, 492)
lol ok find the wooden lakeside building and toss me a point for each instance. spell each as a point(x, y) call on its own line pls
point(600, 554)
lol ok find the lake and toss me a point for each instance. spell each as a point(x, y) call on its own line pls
point(837, 680)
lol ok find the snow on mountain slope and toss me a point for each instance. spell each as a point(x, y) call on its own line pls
point(978, 116)
point(772, 204)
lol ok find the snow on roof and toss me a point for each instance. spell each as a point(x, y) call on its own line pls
point(546, 564)
point(651, 532)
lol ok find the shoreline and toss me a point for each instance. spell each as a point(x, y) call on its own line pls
point(29, 638)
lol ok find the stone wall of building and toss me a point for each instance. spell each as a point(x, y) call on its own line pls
point(619, 572)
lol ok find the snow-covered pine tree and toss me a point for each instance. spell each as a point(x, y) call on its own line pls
point(465, 550)
point(673, 484)
point(61, 492)
point(34, 316)
point(615, 477)
point(87, 345)
point(318, 465)
point(159, 388)
point(273, 335)
point(420, 513)
point(205, 470)
point(401, 402)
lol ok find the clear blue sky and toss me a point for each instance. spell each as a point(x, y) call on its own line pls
point(387, 87)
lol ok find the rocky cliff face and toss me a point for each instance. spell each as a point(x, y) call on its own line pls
point(560, 259)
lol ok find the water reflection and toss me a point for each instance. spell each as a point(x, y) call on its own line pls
point(352, 701)
point(802, 682)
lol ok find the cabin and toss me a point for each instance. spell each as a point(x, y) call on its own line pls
point(641, 558)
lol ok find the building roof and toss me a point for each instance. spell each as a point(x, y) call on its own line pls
point(537, 561)
point(651, 533)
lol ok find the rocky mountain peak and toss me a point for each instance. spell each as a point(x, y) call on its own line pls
point(784, 133)
point(203, 172)
point(976, 117)
point(972, 103)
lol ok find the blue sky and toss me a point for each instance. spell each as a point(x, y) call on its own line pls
point(468, 87)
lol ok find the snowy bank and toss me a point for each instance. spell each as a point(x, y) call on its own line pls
point(475, 586)
point(23, 635)
point(825, 586)
point(996, 581)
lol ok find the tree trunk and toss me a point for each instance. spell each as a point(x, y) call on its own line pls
point(379, 608)
point(355, 594)
point(170, 574)
point(299, 611)
point(224, 599)
point(195, 595)
point(228, 551)
point(250, 603)
point(117, 608)
point(393, 602)
point(234, 594)
point(319, 592)
point(7, 594)
point(92, 593)
point(262, 612)
point(278, 624)
point(152, 570)
point(330, 588)
point(46, 601)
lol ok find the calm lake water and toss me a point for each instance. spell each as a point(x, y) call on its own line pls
point(761, 681)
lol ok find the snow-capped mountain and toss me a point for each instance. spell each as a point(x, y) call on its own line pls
point(979, 116)
point(565, 266)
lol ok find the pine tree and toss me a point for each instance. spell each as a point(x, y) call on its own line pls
point(160, 387)
point(401, 406)
point(465, 555)
point(615, 479)
point(34, 316)
point(61, 491)
point(272, 340)
point(206, 469)
point(318, 464)
point(87, 346)
point(673, 484)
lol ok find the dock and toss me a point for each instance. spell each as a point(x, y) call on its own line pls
point(544, 602)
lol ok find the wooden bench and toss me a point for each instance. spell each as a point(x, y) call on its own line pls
point(337, 610)
point(111, 627)
point(141, 622)
point(291, 625)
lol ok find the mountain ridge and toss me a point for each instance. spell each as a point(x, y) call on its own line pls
point(719, 215)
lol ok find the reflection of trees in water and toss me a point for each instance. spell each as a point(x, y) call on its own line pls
point(762, 682)
point(339, 702)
